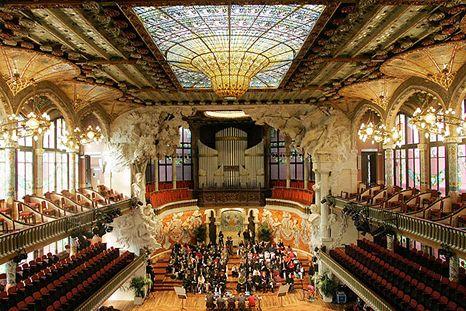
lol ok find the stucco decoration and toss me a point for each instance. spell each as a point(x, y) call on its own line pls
point(139, 229)
point(313, 129)
point(141, 135)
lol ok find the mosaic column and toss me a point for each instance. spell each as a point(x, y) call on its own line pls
point(11, 273)
point(156, 174)
point(452, 156)
point(390, 242)
point(454, 268)
point(174, 171)
point(38, 168)
point(424, 151)
point(389, 164)
point(317, 187)
point(72, 171)
point(306, 170)
point(288, 161)
point(10, 174)
point(324, 209)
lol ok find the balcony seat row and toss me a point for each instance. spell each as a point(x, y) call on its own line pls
point(27, 270)
point(67, 283)
point(428, 261)
point(403, 289)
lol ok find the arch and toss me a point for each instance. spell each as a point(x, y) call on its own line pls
point(458, 90)
point(51, 91)
point(360, 112)
point(5, 100)
point(101, 115)
point(406, 89)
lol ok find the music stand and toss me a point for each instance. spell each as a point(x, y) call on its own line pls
point(282, 291)
point(181, 293)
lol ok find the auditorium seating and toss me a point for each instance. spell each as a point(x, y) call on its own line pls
point(403, 283)
point(109, 194)
point(423, 259)
point(68, 282)
point(293, 184)
point(163, 197)
point(298, 195)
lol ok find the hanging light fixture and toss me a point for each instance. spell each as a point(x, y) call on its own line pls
point(72, 141)
point(379, 133)
point(33, 125)
point(438, 121)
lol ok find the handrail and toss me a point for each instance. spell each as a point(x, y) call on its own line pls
point(102, 294)
point(29, 238)
point(366, 294)
point(424, 229)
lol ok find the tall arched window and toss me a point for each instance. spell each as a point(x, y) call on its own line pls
point(407, 171)
point(24, 167)
point(277, 156)
point(55, 158)
point(183, 156)
point(438, 164)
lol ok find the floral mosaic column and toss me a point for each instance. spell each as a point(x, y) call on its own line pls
point(452, 155)
point(72, 171)
point(174, 171)
point(389, 164)
point(38, 168)
point(11, 272)
point(10, 173)
point(424, 151)
point(454, 268)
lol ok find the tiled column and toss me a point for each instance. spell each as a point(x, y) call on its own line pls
point(424, 151)
point(11, 273)
point(306, 170)
point(454, 268)
point(174, 171)
point(389, 164)
point(10, 174)
point(38, 167)
point(72, 171)
point(156, 174)
point(452, 156)
point(288, 161)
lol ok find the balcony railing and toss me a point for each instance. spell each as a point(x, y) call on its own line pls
point(369, 297)
point(420, 228)
point(101, 295)
point(28, 239)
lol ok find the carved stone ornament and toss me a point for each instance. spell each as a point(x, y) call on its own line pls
point(141, 135)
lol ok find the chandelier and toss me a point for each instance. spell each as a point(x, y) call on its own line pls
point(379, 134)
point(438, 121)
point(72, 141)
point(33, 125)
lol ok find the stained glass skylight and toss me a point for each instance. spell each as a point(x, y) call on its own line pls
point(198, 40)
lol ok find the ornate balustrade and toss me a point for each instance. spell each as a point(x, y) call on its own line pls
point(101, 295)
point(159, 198)
point(418, 228)
point(369, 297)
point(33, 237)
point(305, 197)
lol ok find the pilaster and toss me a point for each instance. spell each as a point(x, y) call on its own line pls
point(174, 172)
point(452, 157)
point(38, 168)
point(389, 164)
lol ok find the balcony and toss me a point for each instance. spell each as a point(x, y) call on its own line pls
point(33, 237)
point(422, 230)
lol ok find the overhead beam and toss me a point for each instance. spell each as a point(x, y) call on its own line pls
point(70, 3)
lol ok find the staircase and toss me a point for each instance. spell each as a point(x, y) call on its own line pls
point(164, 282)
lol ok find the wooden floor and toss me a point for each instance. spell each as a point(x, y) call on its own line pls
point(167, 301)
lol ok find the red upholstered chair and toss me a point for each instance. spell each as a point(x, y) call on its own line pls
point(4, 209)
point(25, 216)
point(28, 201)
point(46, 210)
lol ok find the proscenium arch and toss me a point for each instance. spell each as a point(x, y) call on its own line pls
point(412, 86)
point(57, 97)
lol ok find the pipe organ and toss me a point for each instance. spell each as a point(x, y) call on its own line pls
point(231, 164)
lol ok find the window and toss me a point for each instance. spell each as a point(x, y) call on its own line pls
point(55, 159)
point(296, 165)
point(462, 168)
point(165, 169)
point(24, 171)
point(277, 156)
point(438, 168)
point(183, 156)
point(407, 163)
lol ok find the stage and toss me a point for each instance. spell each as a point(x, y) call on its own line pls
point(168, 301)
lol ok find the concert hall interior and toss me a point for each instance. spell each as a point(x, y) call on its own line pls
point(232, 155)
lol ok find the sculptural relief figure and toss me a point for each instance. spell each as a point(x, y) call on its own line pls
point(136, 230)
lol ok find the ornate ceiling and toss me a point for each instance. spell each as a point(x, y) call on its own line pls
point(123, 45)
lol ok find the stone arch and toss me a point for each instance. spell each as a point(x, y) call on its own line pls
point(406, 89)
point(57, 96)
point(5, 100)
point(100, 114)
point(361, 111)
point(458, 90)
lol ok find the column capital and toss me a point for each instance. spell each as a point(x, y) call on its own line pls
point(388, 146)
point(452, 140)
